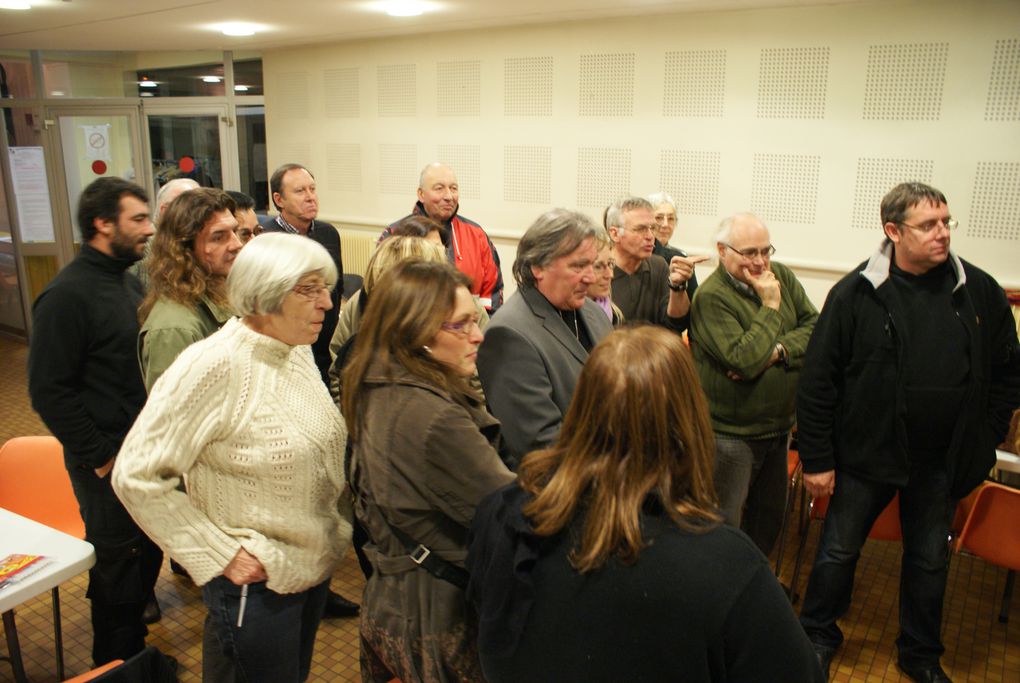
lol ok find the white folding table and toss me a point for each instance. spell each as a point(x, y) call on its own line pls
point(68, 556)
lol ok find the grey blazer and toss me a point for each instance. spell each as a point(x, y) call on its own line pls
point(529, 364)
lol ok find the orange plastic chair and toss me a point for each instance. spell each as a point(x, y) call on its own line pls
point(34, 484)
point(89, 675)
point(992, 532)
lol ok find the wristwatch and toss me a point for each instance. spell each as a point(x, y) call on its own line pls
point(784, 358)
point(676, 288)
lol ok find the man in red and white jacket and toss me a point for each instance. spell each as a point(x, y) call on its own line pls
point(467, 245)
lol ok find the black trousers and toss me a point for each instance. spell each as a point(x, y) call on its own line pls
point(124, 576)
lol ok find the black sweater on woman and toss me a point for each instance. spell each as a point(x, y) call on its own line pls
point(695, 607)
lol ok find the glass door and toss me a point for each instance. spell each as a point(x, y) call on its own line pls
point(189, 141)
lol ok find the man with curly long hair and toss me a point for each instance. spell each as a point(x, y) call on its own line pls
point(192, 253)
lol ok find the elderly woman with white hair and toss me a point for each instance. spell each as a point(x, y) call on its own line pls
point(245, 417)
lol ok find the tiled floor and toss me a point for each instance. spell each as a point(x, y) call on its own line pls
point(979, 648)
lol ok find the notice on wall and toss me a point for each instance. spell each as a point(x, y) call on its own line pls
point(97, 142)
point(31, 194)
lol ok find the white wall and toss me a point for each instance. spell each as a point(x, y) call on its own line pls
point(804, 115)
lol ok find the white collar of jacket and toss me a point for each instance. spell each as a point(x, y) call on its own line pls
point(877, 269)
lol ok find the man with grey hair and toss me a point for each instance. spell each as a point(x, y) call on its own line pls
point(467, 246)
point(536, 344)
point(751, 321)
point(645, 288)
point(169, 192)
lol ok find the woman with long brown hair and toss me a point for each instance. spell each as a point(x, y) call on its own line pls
point(607, 560)
point(423, 457)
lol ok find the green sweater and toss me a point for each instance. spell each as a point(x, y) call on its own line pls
point(734, 332)
point(172, 327)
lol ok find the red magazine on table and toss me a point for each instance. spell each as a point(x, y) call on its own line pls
point(15, 567)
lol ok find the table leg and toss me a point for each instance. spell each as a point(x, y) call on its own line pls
point(14, 647)
point(58, 634)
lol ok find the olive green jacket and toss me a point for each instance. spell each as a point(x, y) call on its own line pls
point(733, 332)
point(172, 327)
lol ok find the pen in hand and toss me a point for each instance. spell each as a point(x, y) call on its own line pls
point(244, 603)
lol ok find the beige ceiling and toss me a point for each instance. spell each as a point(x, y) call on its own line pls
point(139, 25)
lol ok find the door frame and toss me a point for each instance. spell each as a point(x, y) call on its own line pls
point(60, 202)
point(229, 164)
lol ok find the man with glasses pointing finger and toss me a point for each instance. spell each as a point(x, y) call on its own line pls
point(751, 322)
point(908, 385)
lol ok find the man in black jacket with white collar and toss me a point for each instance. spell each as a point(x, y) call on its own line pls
point(908, 384)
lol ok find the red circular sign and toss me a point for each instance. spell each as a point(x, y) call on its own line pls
point(99, 167)
point(186, 164)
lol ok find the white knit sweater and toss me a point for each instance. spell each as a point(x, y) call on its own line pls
point(247, 420)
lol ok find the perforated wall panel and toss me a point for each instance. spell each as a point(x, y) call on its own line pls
point(995, 211)
point(341, 94)
point(1004, 82)
point(603, 175)
point(694, 84)
point(528, 86)
point(297, 153)
point(875, 177)
point(784, 187)
point(465, 160)
point(792, 83)
point(398, 169)
point(458, 88)
point(606, 85)
point(292, 95)
point(691, 177)
point(904, 82)
point(343, 167)
point(527, 174)
point(397, 86)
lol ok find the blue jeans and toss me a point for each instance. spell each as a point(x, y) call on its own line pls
point(751, 482)
point(275, 641)
point(925, 515)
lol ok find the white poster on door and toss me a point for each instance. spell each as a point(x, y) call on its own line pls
point(97, 142)
point(31, 193)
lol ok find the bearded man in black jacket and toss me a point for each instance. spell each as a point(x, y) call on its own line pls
point(85, 383)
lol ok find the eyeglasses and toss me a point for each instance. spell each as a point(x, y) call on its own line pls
point(644, 229)
point(603, 266)
point(950, 223)
point(311, 292)
point(461, 329)
point(752, 253)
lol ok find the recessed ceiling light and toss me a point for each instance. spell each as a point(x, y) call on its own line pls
point(240, 88)
point(15, 4)
point(404, 8)
point(144, 83)
point(238, 29)
point(56, 93)
point(146, 94)
point(211, 79)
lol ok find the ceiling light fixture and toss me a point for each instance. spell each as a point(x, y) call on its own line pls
point(404, 8)
point(146, 83)
point(211, 79)
point(15, 4)
point(238, 29)
point(240, 88)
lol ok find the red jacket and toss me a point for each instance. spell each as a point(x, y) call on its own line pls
point(472, 252)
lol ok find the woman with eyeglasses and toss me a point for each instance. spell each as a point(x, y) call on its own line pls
point(245, 417)
point(424, 454)
point(601, 291)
